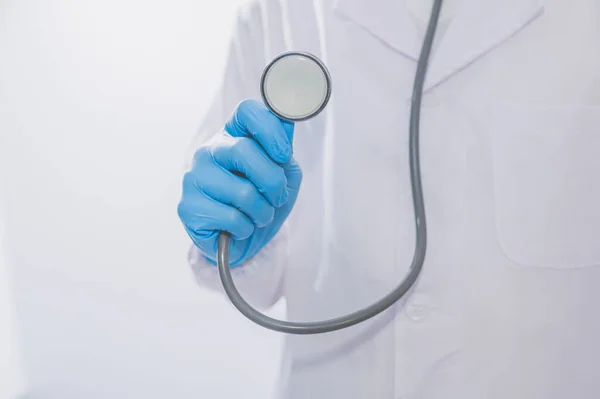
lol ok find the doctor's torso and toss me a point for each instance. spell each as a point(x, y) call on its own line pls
point(507, 303)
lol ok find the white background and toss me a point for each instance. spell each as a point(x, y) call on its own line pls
point(99, 100)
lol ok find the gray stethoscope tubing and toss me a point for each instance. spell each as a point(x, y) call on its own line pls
point(420, 224)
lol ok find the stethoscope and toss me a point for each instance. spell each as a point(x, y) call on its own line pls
point(296, 86)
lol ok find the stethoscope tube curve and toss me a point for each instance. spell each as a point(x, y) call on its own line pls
point(405, 285)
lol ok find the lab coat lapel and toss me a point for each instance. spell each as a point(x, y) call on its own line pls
point(477, 27)
point(386, 19)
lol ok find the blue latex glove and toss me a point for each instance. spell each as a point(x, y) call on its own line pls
point(244, 181)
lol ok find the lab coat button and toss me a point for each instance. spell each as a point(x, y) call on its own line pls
point(417, 309)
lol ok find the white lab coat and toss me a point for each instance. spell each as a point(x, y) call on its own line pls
point(507, 306)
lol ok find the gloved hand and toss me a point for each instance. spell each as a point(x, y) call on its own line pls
point(244, 181)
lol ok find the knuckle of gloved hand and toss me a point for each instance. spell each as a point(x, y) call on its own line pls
point(237, 225)
point(279, 180)
point(247, 107)
point(280, 148)
point(182, 210)
point(277, 188)
point(246, 194)
point(202, 158)
point(192, 183)
point(202, 153)
point(185, 213)
point(190, 179)
point(295, 175)
point(232, 217)
point(242, 146)
point(265, 217)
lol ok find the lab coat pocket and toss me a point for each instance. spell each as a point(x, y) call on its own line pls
point(546, 165)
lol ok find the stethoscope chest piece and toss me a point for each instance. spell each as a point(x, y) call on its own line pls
point(295, 86)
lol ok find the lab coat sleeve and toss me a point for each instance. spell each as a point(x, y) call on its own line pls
point(259, 279)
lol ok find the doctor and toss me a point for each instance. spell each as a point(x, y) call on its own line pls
point(508, 303)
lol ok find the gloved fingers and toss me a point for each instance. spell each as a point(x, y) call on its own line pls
point(245, 156)
point(253, 119)
point(229, 189)
point(293, 175)
point(204, 217)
